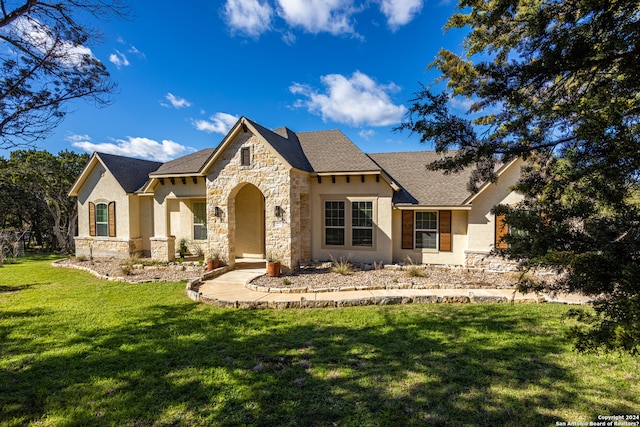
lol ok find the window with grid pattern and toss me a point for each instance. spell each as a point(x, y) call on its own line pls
point(102, 219)
point(334, 223)
point(426, 230)
point(362, 223)
point(199, 221)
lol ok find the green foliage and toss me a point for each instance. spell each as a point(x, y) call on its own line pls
point(80, 351)
point(414, 270)
point(341, 266)
point(555, 83)
point(42, 180)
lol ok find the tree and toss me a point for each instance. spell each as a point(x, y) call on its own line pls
point(47, 179)
point(45, 64)
point(555, 82)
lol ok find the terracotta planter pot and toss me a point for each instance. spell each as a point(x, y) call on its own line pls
point(212, 264)
point(273, 269)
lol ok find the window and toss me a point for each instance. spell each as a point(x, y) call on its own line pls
point(362, 223)
point(245, 156)
point(102, 219)
point(199, 221)
point(426, 230)
point(334, 223)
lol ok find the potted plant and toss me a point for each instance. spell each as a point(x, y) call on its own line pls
point(273, 267)
point(214, 262)
point(183, 247)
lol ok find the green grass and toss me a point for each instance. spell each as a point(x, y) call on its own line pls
point(77, 351)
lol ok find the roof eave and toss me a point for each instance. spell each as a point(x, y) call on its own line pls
point(75, 188)
point(409, 206)
point(486, 185)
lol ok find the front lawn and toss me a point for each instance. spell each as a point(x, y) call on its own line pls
point(78, 351)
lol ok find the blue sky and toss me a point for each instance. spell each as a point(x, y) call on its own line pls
point(186, 71)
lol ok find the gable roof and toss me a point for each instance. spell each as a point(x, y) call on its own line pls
point(191, 164)
point(130, 173)
point(419, 185)
point(286, 143)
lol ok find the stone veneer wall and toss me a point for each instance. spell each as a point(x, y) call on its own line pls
point(272, 177)
point(483, 259)
point(163, 248)
point(107, 247)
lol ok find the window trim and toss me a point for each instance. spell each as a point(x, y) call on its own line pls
point(245, 156)
point(103, 223)
point(357, 227)
point(204, 220)
point(435, 230)
point(348, 225)
point(325, 226)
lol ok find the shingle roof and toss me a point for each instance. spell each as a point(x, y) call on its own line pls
point(420, 185)
point(332, 151)
point(286, 143)
point(189, 164)
point(130, 173)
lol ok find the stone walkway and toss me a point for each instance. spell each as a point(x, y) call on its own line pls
point(228, 290)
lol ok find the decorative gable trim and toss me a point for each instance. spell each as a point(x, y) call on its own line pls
point(243, 125)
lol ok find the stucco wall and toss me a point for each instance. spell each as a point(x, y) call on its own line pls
point(172, 207)
point(379, 192)
point(481, 220)
point(102, 187)
point(431, 256)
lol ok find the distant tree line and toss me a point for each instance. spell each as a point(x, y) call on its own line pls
point(33, 197)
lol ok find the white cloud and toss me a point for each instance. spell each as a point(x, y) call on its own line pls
point(118, 59)
point(357, 100)
point(175, 101)
point(249, 17)
point(218, 123)
point(317, 16)
point(135, 51)
point(460, 103)
point(45, 40)
point(140, 147)
point(400, 12)
point(337, 17)
point(366, 133)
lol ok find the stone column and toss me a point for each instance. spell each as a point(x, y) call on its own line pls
point(163, 248)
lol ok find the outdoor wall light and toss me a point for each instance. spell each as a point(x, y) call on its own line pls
point(278, 211)
point(217, 212)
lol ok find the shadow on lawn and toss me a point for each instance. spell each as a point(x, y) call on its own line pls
point(194, 365)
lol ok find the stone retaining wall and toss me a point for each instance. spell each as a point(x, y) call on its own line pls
point(485, 260)
point(106, 247)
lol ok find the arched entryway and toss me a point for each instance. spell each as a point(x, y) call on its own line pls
point(249, 223)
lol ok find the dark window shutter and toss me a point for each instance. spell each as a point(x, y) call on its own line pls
point(444, 231)
point(92, 219)
point(112, 219)
point(502, 229)
point(407, 229)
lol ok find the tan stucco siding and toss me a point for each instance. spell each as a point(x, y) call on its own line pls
point(433, 256)
point(172, 207)
point(145, 207)
point(481, 220)
point(102, 187)
point(354, 190)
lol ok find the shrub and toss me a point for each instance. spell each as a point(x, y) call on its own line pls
point(342, 266)
point(415, 270)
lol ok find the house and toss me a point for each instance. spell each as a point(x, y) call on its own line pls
point(295, 196)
